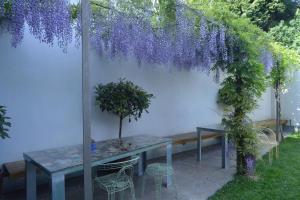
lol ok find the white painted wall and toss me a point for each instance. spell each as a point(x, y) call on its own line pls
point(41, 87)
point(290, 100)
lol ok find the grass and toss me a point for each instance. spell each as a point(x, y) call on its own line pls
point(277, 181)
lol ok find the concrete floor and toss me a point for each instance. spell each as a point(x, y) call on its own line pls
point(192, 180)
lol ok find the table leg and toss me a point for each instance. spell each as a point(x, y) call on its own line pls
point(225, 151)
point(142, 163)
point(58, 186)
point(199, 145)
point(169, 163)
point(30, 181)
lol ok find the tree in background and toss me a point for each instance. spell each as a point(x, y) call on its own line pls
point(264, 13)
point(288, 33)
point(285, 61)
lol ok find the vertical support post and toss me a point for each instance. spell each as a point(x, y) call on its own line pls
point(225, 151)
point(86, 103)
point(169, 162)
point(142, 163)
point(30, 181)
point(199, 145)
point(58, 186)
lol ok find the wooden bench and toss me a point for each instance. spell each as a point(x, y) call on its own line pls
point(271, 123)
point(190, 137)
point(14, 169)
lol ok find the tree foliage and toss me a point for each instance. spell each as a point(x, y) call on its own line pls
point(124, 99)
point(4, 123)
point(288, 33)
point(245, 78)
point(264, 13)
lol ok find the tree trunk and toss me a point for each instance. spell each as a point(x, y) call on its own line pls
point(277, 99)
point(120, 128)
point(239, 116)
point(240, 158)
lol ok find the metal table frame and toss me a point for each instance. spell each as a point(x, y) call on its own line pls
point(216, 129)
point(58, 177)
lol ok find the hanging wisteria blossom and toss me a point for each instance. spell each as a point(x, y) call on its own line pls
point(116, 34)
point(47, 20)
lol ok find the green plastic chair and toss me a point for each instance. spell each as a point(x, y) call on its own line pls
point(158, 171)
point(119, 180)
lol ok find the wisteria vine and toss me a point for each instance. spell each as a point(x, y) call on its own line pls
point(47, 20)
point(191, 42)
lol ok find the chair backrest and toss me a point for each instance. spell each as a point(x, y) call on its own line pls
point(119, 165)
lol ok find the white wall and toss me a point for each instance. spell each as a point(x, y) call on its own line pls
point(41, 87)
point(290, 100)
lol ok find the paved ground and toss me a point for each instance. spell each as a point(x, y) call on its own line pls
point(193, 181)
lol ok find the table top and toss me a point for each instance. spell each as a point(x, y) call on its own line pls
point(62, 158)
point(219, 128)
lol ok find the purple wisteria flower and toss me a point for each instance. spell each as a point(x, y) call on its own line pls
point(47, 20)
point(16, 27)
point(250, 165)
point(114, 33)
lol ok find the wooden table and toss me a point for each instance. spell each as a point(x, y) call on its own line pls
point(59, 162)
point(217, 128)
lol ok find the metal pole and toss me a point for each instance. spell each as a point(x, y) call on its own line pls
point(86, 103)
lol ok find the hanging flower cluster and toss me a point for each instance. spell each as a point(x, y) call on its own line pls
point(47, 20)
point(189, 43)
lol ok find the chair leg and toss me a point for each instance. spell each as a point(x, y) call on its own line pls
point(111, 195)
point(132, 191)
point(158, 185)
point(277, 152)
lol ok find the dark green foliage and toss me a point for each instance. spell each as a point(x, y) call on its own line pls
point(4, 124)
point(288, 34)
point(124, 99)
point(74, 11)
point(264, 13)
point(277, 181)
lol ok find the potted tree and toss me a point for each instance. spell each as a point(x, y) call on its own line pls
point(124, 99)
point(4, 124)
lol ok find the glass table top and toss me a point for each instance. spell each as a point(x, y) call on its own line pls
point(57, 159)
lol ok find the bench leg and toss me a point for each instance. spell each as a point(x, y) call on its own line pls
point(169, 163)
point(30, 181)
point(225, 151)
point(199, 146)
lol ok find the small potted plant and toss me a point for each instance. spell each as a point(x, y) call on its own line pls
point(4, 124)
point(124, 99)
